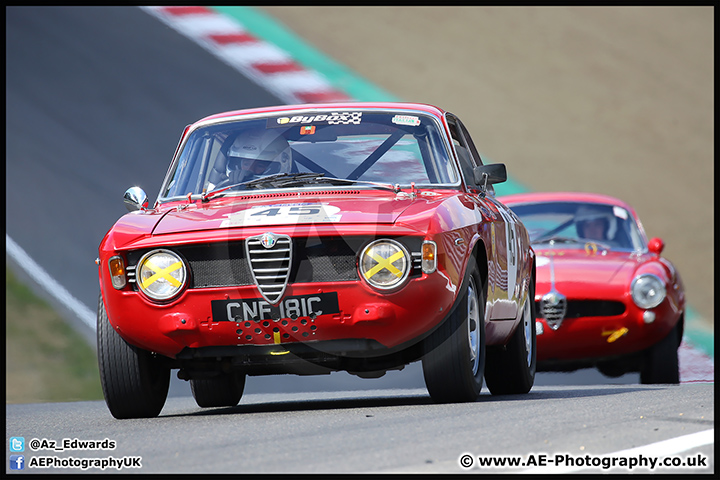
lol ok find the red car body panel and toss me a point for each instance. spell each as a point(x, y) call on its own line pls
point(587, 273)
point(444, 218)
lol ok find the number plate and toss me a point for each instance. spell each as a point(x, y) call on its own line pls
point(244, 309)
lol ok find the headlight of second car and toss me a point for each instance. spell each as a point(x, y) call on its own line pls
point(648, 291)
point(161, 274)
point(384, 264)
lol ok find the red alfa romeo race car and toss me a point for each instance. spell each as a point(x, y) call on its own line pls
point(605, 297)
point(308, 239)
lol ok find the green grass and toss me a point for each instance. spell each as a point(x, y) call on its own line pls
point(46, 360)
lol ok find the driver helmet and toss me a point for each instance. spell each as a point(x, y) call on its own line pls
point(256, 153)
point(587, 213)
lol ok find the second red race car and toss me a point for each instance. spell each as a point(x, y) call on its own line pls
point(605, 297)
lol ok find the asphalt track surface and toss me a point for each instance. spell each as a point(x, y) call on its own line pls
point(89, 114)
point(387, 431)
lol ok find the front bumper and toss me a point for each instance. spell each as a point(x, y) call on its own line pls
point(604, 337)
point(387, 320)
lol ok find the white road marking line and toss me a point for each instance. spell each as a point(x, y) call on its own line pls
point(665, 448)
point(247, 55)
point(50, 285)
point(208, 24)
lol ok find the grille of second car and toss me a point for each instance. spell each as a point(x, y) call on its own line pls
point(594, 308)
point(555, 311)
point(581, 308)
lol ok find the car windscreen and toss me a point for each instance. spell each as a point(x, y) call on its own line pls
point(574, 222)
point(356, 147)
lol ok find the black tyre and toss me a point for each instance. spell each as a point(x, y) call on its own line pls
point(661, 360)
point(612, 370)
point(135, 383)
point(224, 390)
point(454, 359)
point(512, 370)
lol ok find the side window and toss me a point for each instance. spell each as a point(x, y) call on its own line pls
point(463, 142)
point(464, 151)
point(470, 144)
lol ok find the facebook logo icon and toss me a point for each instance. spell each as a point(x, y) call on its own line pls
point(17, 462)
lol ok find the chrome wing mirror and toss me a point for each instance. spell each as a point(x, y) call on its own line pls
point(135, 199)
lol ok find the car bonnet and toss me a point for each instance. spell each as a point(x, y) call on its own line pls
point(350, 207)
point(585, 266)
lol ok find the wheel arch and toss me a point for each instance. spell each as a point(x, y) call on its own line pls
point(479, 254)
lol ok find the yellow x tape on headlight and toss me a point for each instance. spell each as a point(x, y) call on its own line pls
point(385, 263)
point(162, 273)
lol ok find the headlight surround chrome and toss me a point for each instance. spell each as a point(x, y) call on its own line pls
point(161, 274)
point(384, 264)
point(647, 290)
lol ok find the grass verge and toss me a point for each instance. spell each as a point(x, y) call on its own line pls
point(45, 359)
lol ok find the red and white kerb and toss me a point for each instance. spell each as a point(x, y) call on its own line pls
point(262, 62)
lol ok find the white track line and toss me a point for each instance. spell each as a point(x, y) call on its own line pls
point(48, 283)
point(664, 449)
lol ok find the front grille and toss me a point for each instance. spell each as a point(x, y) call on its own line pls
point(217, 265)
point(270, 264)
point(594, 308)
point(314, 259)
point(325, 259)
point(416, 261)
point(554, 312)
point(581, 308)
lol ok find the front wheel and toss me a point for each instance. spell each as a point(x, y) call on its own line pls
point(512, 370)
point(454, 360)
point(225, 390)
point(134, 382)
point(661, 360)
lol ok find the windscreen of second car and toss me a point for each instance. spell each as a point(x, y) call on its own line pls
point(382, 147)
point(572, 222)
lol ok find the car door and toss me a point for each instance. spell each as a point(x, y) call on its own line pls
point(503, 282)
point(506, 244)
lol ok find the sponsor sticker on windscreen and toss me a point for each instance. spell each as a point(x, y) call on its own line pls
point(333, 118)
point(620, 212)
point(410, 120)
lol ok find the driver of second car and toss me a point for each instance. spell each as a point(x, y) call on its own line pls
point(257, 153)
point(595, 223)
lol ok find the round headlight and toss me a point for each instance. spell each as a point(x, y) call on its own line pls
point(648, 291)
point(161, 274)
point(384, 264)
